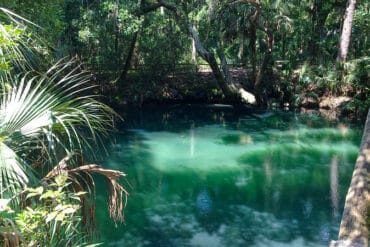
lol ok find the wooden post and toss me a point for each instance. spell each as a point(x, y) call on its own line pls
point(354, 228)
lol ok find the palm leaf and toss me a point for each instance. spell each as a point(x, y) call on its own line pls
point(48, 116)
point(13, 175)
point(116, 191)
point(20, 48)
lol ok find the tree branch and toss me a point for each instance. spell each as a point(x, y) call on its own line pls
point(157, 5)
point(253, 2)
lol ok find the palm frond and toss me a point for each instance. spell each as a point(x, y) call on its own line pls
point(117, 192)
point(13, 171)
point(20, 48)
point(49, 116)
point(16, 18)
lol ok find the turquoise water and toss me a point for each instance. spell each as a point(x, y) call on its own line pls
point(220, 176)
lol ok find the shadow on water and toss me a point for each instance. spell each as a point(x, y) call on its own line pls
point(218, 176)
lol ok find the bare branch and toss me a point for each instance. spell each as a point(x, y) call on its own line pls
point(253, 2)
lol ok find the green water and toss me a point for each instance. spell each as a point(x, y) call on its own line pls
point(218, 176)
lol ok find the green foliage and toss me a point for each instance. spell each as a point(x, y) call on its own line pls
point(350, 78)
point(161, 33)
point(46, 115)
point(104, 30)
point(323, 80)
point(47, 14)
point(357, 74)
point(361, 30)
point(8, 40)
point(102, 33)
point(53, 218)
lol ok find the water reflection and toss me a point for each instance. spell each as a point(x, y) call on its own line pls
point(234, 178)
point(334, 186)
point(192, 140)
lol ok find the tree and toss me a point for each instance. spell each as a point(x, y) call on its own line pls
point(232, 91)
point(345, 37)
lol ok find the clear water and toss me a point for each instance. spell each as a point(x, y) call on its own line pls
point(218, 176)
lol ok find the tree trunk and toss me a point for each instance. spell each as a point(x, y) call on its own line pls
point(130, 53)
point(345, 37)
point(194, 52)
point(283, 50)
point(241, 46)
point(131, 49)
point(209, 57)
point(354, 228)
point(116, 38)
point(228, 90)
point(252, 48)
point(261, 71)
point(224, 66)
point(253, 25)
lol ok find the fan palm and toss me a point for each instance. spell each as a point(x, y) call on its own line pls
point(47, 116)
point(44, 117)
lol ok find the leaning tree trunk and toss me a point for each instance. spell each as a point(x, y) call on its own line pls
point(130, 53)
point(228, 90)
point(224, 80)
point(224, 65)
point(354, 228)
point(345, 37)
point(208, 56)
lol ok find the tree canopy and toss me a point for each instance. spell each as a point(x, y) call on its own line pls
point(272, 40)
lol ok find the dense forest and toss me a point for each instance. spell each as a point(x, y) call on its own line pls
point(301, 53)
point(56, 56)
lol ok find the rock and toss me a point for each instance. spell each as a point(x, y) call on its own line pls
point(333, 102)
point(247, 97)
point(310, 102)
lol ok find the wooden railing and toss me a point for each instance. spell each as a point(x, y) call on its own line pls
point(354, 227)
